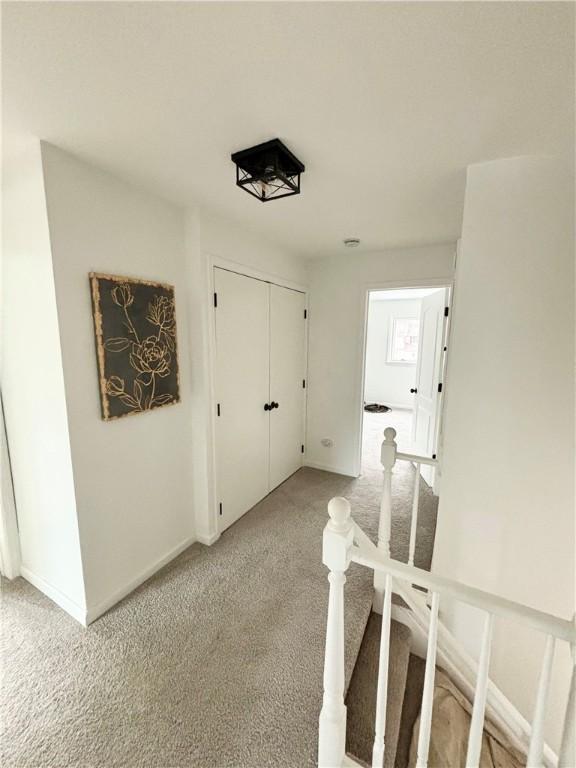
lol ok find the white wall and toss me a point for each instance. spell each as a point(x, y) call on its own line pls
point(387, 383)
point(132, 476)
point(33, 390)
point(209, 237)
point(221, 238)
point(506, 520)
point(338, 287)
point(102, 505)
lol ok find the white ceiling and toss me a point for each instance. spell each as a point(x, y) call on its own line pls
point(385, 103)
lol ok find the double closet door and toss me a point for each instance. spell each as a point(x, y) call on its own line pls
point(260, 389)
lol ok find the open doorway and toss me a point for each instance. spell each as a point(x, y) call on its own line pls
point(403, 371)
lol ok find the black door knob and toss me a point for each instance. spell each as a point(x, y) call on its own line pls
point(267, 407)
point(413, 391)
point(273, 405)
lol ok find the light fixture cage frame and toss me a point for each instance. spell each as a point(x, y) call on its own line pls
point(268, 171)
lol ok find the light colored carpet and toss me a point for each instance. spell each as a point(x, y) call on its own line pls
point(373, 426)
point(215, 661)
point(402, 485)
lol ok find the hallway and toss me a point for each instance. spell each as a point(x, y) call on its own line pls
point(373, 426)
point(215, 661)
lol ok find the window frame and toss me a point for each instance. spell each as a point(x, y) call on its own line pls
point(389, 355)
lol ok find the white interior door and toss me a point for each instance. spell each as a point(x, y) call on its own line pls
point(242, 390)
point(428, 373)
point(287, 375)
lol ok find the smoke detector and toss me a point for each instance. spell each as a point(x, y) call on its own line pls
point(352, 242)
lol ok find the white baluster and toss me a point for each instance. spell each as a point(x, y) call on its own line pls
point(567, 756)
point(479, 708)
point(414, 520)
point(536, 751)
point(382, 692)
point(337, 541)
point(428, 692)
point(388, 459)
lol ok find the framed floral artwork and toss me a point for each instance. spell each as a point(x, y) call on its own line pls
point(135, 327)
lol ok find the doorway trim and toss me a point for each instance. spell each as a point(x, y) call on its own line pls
point(390, 285)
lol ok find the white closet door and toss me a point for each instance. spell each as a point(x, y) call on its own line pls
point(287, 372)
point(242, 377)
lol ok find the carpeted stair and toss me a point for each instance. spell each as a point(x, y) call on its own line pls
point(410, 709)
point(361, 696)
point(450, 721)
point(358, 612)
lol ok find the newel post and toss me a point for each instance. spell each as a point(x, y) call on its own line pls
point(387, 459)
point(337, 542)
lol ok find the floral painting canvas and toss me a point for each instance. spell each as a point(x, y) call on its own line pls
point(135, 326)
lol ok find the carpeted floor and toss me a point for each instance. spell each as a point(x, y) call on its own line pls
point(373, 426)
point(215, 661)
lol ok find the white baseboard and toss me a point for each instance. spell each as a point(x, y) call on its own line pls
point(96, 611)
point(77, 612)
point(327, 468)
point(208, 540)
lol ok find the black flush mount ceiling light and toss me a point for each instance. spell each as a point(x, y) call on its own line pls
point(268, 171)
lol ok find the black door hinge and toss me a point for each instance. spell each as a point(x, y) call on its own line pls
point(446, 310)
point(218, 409)
point(303, 383)
point(301, 449)
point(440, 387)
point(220, 507)
point(305, 314)
point(215, 299)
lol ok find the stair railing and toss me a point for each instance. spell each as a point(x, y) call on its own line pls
point(389, 455)
point(345, 542)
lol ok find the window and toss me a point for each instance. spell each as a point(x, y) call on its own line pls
point(403, 347)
